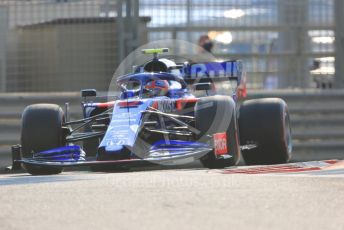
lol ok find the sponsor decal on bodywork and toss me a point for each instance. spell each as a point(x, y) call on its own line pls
point(220, 144)
point(165, 105)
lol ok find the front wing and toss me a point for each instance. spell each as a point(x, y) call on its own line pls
point(187, 157)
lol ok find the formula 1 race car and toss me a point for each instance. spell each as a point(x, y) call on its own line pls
point(157, 119)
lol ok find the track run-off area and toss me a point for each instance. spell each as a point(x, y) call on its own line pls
point(305, 195)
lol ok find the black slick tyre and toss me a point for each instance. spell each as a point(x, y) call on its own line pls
point(216, 114)
point(265, 122)
point(41, 130)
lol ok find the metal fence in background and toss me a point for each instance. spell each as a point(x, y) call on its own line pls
point(65, 45)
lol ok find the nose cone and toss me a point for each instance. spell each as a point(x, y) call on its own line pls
point(121, 135)
point(115, 153)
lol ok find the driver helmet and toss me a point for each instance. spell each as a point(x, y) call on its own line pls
point(157, 87)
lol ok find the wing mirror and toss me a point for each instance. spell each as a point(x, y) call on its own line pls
point(202, 86)
point(88, 93)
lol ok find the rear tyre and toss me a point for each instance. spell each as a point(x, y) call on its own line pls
point(265, 122)
point(41, 130)
point(216, 114)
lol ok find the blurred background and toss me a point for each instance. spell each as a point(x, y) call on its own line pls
point(50, 49)
point(44, 43)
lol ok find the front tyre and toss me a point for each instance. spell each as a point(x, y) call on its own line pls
point(216, 114)
point(265, 122)
point(41, 130)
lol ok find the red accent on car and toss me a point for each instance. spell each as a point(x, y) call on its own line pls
point(105, 104)
point(157, 84)
point(242, 92)
point(180, 103)
point(242, 89)
point(220, 144)
point(126, 104)
point(155, 105)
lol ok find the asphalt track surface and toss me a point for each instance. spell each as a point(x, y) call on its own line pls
point(297, 196)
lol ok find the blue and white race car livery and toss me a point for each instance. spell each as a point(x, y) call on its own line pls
point(166, 113)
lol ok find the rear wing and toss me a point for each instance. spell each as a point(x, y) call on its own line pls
point(214, 71)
